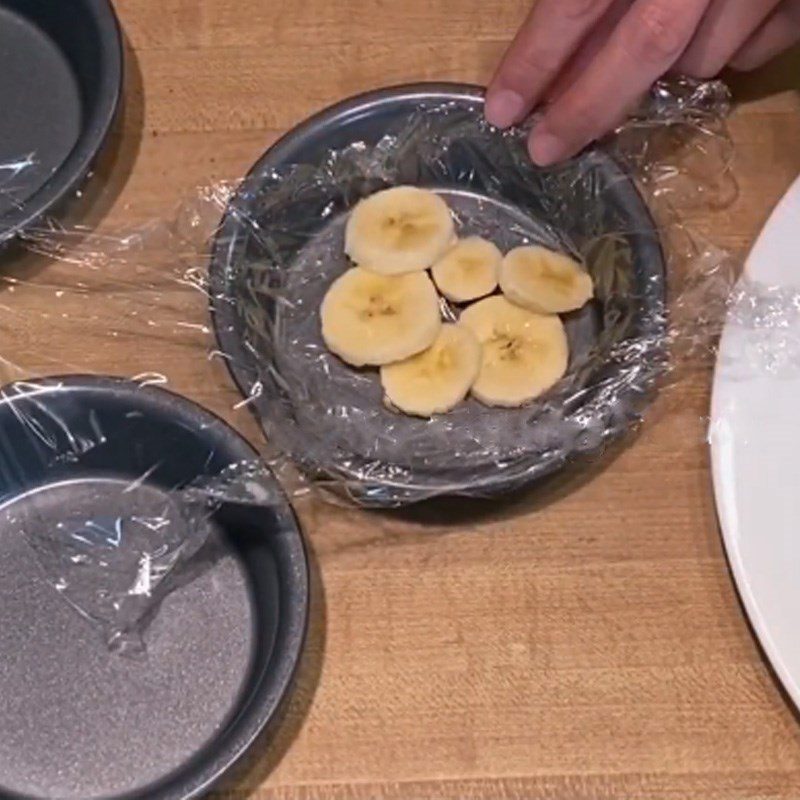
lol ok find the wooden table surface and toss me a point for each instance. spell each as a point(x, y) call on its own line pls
point(585, 642)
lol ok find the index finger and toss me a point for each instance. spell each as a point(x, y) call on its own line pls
point(548, 37)
point(648, 41)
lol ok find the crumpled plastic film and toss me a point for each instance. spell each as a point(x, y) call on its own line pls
point(114, 528)
point(13, 171)
point(113, 541)
point(250, 260)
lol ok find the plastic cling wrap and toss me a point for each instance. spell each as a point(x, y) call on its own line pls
point(117, 489)
point(622, 209)
point(232, 283)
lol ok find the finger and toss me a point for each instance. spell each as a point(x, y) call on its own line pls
point(780, 31)
point(725, 27)
point(588, 50)
point(546, 40)
point(641, 49)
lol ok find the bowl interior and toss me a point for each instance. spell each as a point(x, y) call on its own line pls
point(76, 454)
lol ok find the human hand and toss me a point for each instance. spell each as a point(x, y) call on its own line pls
point(590, 61)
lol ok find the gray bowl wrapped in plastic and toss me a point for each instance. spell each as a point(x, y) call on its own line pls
point(280, 247)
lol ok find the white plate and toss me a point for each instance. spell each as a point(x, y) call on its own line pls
point(755, 451)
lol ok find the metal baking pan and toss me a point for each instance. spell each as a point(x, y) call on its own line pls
point(60, 86)
point(368, 118)
point(78, 721)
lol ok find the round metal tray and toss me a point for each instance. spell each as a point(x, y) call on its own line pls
point(367, 119)
point(79, 721)
point(60, 86)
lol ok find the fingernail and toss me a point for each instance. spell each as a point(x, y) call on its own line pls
point(504, 107)
point(547, 149)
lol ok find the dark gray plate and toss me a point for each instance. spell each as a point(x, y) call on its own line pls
point(380, 468)
point(60, 84)
point(77, 721)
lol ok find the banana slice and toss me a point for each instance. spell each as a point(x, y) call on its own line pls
point(439, 378)
point(399, 230)
point(524, 354)
point(469, 270)
point(544, 281)
point(376, 319)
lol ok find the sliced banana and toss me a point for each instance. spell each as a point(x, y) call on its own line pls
point(399, 230)
point(377, 319)
point(469, 270)
point(544, 281)
point(524, 353)
point(437, 379)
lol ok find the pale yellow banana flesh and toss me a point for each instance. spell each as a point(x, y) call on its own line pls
point(524, 353)
point(468, 270)
point(544, 281)
point(370, 319)
point(399, 230)
point(438, 379)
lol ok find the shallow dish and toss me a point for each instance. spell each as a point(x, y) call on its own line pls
point(409, 462)
point(79, 721)
point(60, 86)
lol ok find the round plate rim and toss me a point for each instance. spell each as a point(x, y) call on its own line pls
point(719, 437)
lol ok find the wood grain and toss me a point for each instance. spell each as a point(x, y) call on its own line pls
point(584, 642)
